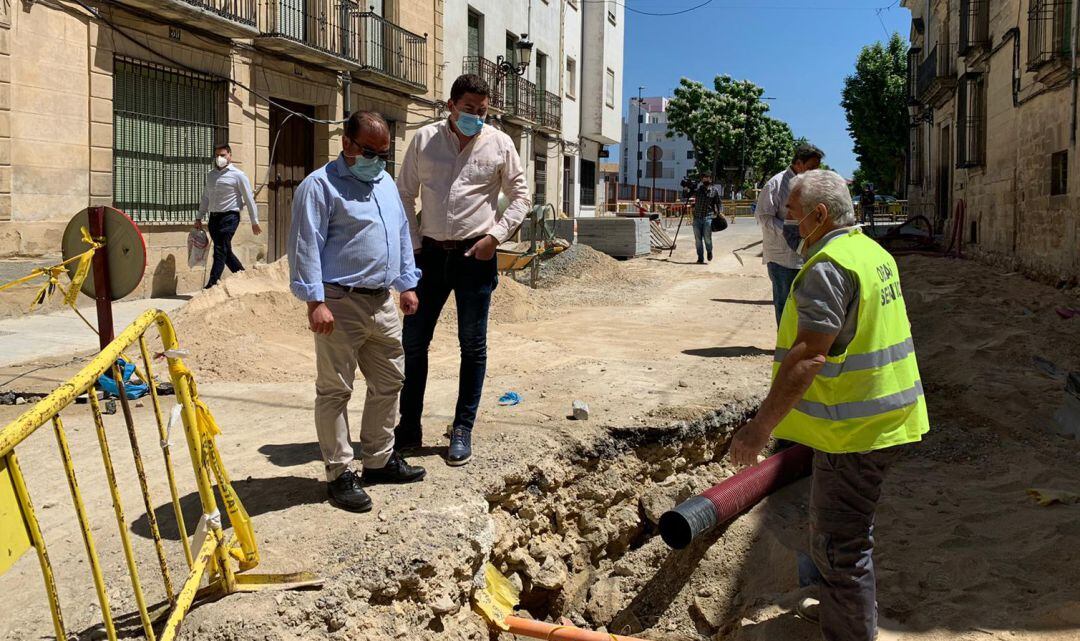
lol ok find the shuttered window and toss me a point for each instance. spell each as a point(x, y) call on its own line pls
point(165, 125)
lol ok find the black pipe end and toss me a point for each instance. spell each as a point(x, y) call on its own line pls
point(680, 526)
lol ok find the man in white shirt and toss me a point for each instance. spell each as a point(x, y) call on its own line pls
point(457, 168)
point(780, 238)
point(226, 192)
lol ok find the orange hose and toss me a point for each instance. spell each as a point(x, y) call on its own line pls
point(551, 632)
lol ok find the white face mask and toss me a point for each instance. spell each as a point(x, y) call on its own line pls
point(801, 250)
point(221, 161)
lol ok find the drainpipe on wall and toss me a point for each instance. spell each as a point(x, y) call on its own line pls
point(1075, 26)
point(346, 88)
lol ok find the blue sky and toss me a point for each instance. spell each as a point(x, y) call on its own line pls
point(799, 51)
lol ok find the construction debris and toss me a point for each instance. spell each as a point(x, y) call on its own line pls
point(580, 411)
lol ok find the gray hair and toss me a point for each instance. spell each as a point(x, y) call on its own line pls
point(824, 187)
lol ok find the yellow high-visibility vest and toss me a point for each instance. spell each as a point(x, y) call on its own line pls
point(871, 396)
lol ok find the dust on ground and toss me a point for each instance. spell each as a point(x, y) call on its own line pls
point(675, 361)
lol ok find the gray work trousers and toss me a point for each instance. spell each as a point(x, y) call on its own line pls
point(843, 498)
point(367, 335)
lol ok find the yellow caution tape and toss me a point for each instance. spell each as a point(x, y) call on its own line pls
point(247, 550)
point(498, 598)
point(46, 291)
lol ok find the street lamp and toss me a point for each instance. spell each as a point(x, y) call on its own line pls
point(523, 49)
point(637, 156)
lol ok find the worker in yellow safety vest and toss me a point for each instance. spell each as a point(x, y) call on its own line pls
point(845, 383)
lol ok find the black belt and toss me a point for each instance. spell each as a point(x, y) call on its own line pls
point(450, 244)
point(361, 290)
point(222, 213)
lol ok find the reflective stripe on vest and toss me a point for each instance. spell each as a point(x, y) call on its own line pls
point(858, 362)
point(871, 396)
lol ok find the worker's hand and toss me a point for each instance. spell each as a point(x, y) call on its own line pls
point(256, 229)
point(747, 444)
point(320, 318)
point(198, 223)
point(484, 249)
point(409, 303)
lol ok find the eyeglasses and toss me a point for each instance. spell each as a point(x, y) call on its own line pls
point(369, 153)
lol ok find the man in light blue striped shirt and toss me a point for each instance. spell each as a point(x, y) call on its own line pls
point(349, 244)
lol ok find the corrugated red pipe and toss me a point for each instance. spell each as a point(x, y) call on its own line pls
point(726, 500)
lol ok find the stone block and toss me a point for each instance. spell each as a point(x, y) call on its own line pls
point(5, 210)
point(580, 411)
point(5, 96)
point(28, 181)
point(101, 134)
point(101, 110)
point(101, 85)
point(101, 183)
point(101, 159)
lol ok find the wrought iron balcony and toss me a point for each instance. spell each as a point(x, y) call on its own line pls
point(232, 18)
point(489, 73)
point(388, 53)
point(937, 78)
point(322, 32)
point(523, 105)
point(549, 110)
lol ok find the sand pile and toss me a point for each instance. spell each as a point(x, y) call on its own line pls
point(251, 328)
point(248, 328)
point(991, 341)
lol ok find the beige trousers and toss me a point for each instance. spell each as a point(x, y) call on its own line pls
point(367, 334)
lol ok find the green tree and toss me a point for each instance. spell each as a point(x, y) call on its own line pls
point(875, 99)
point(773, 149)
point(721, 123)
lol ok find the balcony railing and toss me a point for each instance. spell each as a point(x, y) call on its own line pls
point(390, 51)
point(325, 28)
point(937, 76)
point(549, 110)
point(242, 11)
point(489, 73)
point(523, 105)
point(229, 18)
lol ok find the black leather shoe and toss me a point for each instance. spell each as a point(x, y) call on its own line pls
point(396, 470)
point(460, 451)
point(406, 439)
point(345, 493)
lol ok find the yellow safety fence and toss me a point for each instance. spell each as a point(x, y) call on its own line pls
point(212, 556)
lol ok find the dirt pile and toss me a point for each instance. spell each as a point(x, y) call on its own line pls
point(247, 328)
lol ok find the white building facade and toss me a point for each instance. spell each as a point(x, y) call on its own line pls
point(564, 109)
point(645, 127)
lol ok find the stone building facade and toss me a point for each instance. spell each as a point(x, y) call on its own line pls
point(120, 103)
point(994, 129)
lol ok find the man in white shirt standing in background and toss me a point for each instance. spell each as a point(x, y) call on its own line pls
point(226, 192)
point(456, 167)
point(780, 239)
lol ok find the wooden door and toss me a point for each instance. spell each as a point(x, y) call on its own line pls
point(292, 141)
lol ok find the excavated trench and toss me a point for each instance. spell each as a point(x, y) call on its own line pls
point(580, 540)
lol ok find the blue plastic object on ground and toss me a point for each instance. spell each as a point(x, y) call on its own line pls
point(132, 389)
point(510, 398)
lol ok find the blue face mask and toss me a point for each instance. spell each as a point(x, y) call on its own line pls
point(367, 169)
point(468, 124)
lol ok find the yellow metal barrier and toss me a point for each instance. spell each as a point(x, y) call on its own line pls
point(213, 556)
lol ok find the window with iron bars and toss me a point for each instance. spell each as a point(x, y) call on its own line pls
point(974, 25)
point(165, 125)
point(971, 121)
point(1049, 31)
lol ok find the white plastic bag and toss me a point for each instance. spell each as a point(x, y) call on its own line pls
point(198, 246)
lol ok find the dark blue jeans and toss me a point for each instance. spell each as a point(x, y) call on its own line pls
point(472, 283)
point(703, 236)
point(222, 229)
point(782, 278)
